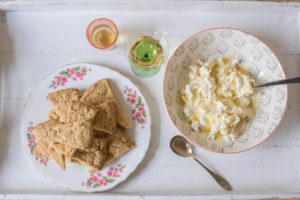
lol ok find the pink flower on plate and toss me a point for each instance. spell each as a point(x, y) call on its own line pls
point(115, 174)
point(121, 169)
point(59, 79)
point(71, 71)
point(109, 173)
point(90, 69)
point(42, 160)
point(143, 127)
point(53, 83)
point(144, 121)
point(99, 174)
point(30, 123)
point(129, 90)
point(84, 68)
point(64, 79)
point(133, 111)
point(74, 78)
point(102, 182)
point(29, 129)
point(125, 91)
point(141, 109)
point(128, 99)
point(82, 184)
point(111, 168)
point(119, 165)
point(93, 179)
point(79, 74)
point(138, 116)
point(133, 96)
point(88, 185)
point(31, 142)
point(132, 101)
point(112, 173)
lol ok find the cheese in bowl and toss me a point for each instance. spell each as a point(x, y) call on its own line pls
point(219, 98)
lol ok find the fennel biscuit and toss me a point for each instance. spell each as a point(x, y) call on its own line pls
point(118, 144)
point(77, 134)
point(105, 119)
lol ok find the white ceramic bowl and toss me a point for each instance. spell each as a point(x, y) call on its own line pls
point(255, 56)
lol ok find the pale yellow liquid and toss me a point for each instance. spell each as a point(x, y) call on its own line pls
point(103, 36)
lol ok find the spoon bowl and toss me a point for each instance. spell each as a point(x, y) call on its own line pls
point(181, 146)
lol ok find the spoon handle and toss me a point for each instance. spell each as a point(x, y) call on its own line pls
point(219, 179)
point(286, 81)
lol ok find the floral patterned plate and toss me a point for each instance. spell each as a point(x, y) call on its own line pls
point(133, 103)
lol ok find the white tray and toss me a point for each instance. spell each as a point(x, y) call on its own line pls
point(37, 37)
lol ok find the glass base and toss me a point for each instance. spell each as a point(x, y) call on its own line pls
point(143, 73)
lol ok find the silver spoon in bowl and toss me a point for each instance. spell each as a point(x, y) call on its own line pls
point(182, 147)
point(281, 82)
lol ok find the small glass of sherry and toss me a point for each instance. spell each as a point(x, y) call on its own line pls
point(102, 33)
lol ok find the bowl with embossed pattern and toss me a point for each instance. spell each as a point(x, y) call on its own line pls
point(256, 57)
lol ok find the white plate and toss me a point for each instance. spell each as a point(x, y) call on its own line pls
point(131, 100)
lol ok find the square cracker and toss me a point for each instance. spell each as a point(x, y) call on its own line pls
point(78, 111)
point(95, 157)
point(118, 144)
point(105, 119)
point(72, 112)
point(44, 149)
point(40, 151)
point(67, 150)
point(121, 116)
point(62, 98)
point(52, 115)
point(76, 135)
point(99, 93)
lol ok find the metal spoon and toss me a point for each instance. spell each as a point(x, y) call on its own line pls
point(286, 81)
point(182, 147)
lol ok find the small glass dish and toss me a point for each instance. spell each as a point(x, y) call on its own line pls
point(147, 52)
point(102, 33)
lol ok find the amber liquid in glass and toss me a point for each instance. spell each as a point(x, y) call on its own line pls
point(103, 36)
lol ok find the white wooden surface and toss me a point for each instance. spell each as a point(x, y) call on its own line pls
point(35, 42)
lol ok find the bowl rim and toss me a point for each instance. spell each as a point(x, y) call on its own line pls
point(163, 88)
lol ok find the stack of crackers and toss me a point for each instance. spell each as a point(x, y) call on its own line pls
point(85, 129)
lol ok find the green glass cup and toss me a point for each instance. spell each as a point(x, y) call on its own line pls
point(146, 53)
